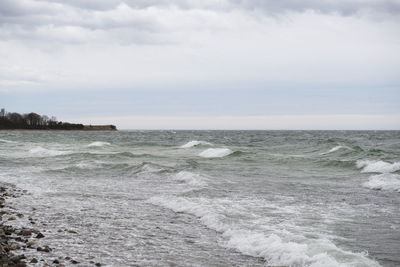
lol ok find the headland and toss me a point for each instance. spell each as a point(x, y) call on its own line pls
point(33, 122)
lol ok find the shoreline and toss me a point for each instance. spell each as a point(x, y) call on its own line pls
point(16, 241)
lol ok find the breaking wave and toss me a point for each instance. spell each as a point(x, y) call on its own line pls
point(377, 166)
point(7, 141)
point(216, 153)
point(40, 151)
point(194, 143)
point(190, 178)
point(273, 248)
point(336, 148)
point(385, 181)
point(98, 144)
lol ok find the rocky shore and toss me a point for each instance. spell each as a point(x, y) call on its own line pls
point(17, 244)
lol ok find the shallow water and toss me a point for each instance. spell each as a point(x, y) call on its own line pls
point(211, 198)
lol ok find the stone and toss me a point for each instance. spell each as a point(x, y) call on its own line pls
point(34, 260)
point(39, 235)
point(26, 232)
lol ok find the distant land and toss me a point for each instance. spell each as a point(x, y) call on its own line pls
point(34, 121)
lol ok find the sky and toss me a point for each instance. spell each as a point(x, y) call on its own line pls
point(210, 64)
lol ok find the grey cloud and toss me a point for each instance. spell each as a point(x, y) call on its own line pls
point(325, 6)
point(329, 6)
point(26, 19)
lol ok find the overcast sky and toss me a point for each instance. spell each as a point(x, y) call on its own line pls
point(209, 64)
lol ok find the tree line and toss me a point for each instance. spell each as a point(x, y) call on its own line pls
point(13, 120)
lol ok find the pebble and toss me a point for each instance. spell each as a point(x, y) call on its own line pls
point(39, 235)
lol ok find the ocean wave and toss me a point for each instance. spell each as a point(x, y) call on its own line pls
point(273, 248)
point(216, 153)
point(194, 143)
point(7, 141)
point(377, 166)
point(386, 181)
point(190, 178)
point(149, 168)
point(336, 148)
point(40, 151)
point(98, 144)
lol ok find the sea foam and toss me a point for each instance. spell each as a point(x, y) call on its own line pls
point(273, 248)
point(215, 153)
point(386, 181)
point(98, 144)
point(377, 166)
point(194, 143)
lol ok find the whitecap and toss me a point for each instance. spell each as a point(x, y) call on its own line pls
point(386, 181)
point(7, 141)
point(194, 143)
point(336, 148)
point(190, 178)
point(98, 144)
point(40, 151)
point(377, 166)
point(270, 246)
point(215, 153)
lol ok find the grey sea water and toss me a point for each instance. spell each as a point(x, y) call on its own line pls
point(211, 198)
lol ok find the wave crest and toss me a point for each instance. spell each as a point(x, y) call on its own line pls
point(336, 148)
point(216, 153)
point(190, 178)
point(98, 144)
point(194, 143)
point(377, 166)
point(40, 151)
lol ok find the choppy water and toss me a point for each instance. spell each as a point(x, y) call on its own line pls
point(211, 198)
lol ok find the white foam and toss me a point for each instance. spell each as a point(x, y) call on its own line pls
point(190, 178)
point(98, 144)
point(215, 153)
point(270, 246)
point(386, 181)
point(377, 166)
point(194, 143)
point(40, 151)
point(336, 148)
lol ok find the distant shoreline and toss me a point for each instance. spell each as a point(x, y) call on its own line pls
point(85, 128)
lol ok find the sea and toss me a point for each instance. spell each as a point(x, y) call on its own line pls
point(209, 198)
